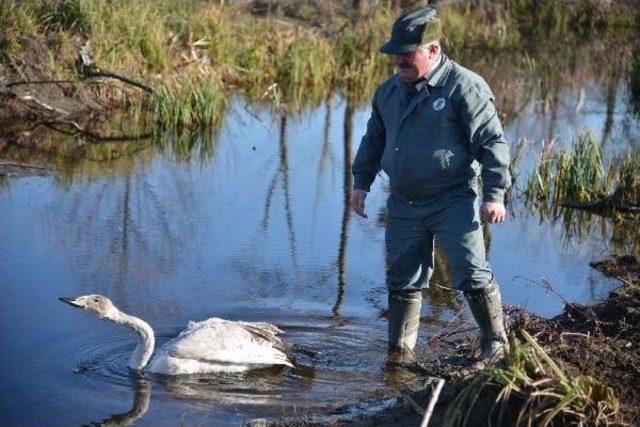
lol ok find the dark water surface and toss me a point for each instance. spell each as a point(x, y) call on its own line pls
point(255, 228)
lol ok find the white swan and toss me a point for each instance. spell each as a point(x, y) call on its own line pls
point(212, 345)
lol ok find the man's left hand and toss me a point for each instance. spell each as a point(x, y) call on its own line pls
point(493, 212)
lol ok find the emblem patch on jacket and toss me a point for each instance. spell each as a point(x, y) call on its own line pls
point(443, 156)
point(438, 104)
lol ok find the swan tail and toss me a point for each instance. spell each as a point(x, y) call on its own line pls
point(266, 331)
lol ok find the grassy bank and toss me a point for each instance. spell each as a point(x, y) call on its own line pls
point(185, 48)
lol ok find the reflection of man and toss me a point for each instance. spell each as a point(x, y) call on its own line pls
point(434, 130)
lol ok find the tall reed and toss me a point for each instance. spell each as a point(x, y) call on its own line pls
point(580, 175)
point(189, 102)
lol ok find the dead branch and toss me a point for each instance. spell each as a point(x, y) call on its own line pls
point(44, 105)
point(12, 169)
point(119, 76)
point(602, 205)
point(24, 166)
point(79, 130)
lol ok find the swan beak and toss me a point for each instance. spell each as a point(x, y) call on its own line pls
point(70, 301)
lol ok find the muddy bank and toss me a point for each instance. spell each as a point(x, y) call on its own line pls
point(599, 341)
point(602, 340)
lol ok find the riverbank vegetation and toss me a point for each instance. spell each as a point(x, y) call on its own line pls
point(531, 388)
point(294, 58)
point(580, 177)
point(586, 188)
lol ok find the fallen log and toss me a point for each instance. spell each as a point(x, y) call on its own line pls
point(87, 68)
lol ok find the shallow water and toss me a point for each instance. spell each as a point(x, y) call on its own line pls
point(254, 229)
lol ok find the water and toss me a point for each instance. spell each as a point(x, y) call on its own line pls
point(255, 228)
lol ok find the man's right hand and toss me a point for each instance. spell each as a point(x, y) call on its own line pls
point(357, 201)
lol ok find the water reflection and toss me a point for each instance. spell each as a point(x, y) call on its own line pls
point(141, 402)
point(347, 183)
point(619, 232)
point(282, 175)
point(254, 224)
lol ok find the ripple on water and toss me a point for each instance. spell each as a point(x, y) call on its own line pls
point(335, 363)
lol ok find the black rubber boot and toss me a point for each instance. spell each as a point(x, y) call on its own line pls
point(486, 307)
point(404, 319)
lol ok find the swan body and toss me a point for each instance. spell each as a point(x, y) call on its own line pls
point(212, 345)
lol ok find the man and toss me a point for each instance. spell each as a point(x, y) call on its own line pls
point(434, 130)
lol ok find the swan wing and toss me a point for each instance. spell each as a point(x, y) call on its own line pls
point(225, 342)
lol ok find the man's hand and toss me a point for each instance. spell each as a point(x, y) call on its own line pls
point(357, 201)
point(492, 212)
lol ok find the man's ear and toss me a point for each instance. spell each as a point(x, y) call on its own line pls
point(434, 50)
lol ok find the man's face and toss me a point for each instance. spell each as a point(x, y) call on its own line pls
point(412, 65)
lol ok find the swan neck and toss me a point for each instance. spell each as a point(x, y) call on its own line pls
point(143, 351)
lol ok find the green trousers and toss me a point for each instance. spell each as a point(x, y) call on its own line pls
point(453, 218)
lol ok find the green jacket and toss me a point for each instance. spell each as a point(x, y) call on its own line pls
point(439, 140)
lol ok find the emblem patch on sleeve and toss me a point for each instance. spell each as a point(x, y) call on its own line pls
point(438, 104)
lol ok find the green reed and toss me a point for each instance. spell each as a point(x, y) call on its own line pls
point(581, 176)
point(190, 102)
point(532, 388)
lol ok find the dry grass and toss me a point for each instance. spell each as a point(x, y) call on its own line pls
point(530, 388)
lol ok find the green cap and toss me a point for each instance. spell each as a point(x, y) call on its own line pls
point(411, 29)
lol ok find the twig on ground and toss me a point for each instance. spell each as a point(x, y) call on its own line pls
point(432, 403)
point(574, 334)
point(460, 331)
point(546, 285)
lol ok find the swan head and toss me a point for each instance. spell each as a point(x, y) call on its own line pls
point(97, 305)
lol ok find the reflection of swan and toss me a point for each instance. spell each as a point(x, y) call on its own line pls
point(140, 407)
point(212, 345)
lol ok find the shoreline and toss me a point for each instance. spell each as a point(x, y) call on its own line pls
point(598, 340)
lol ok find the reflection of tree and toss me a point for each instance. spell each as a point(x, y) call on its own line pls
point(620, 232)
point(346, 206)
point(554, 85)
point(282, 173)
point(119, 224)
point(325, 153)
point(611, 87)
point(141, 401)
